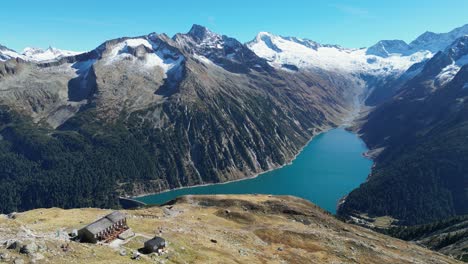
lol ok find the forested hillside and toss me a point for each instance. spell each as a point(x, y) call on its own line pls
point(421, 173)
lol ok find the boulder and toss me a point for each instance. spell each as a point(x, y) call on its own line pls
point(12, 215)
point(4, 257)
point(12, 244)
point(29, 248)
point(18, 261)
point(136, 255)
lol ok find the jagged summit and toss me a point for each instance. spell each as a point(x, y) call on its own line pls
point(263, 35)
point(459, 47)
point(221, 50)
point(200, 32)
point(266, 38)
point(386, 48)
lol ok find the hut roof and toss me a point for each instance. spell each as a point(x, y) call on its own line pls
point(105, 222)
point(115, 217)
point(156, 242)
point(99, 225)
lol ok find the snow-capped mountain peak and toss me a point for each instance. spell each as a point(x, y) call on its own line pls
point(428, 41)
point(202, 33)
point(204, 38)
point(435, 42)
point(284, 52)
point(221, 50)
point(41, 55)
point(6, 53)
point(386, 48)
point(146, 51)
point(457, 57)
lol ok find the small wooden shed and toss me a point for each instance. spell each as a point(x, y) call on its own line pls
point(155, 244)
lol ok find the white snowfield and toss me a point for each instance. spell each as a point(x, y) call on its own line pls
point(37, 54)
point(155, 57)
point(6, 54)
point(294, 51)
point(50, 54)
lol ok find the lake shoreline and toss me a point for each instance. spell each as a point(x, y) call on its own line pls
point(159, 198)
point(325, 170)
point(238, 180)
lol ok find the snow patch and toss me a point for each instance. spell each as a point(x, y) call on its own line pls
point(204, 59)
point(154, 56)
point(447, 74)
point(82, 67)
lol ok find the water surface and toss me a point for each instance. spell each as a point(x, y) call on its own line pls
point(328, 168)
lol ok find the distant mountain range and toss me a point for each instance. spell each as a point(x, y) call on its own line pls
point(145, 114)
point(35, 54)
point(429, 41)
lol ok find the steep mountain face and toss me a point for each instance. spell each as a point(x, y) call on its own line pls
point(429, 43)
point(145, 114)
point(421, 172)
point(211, 229)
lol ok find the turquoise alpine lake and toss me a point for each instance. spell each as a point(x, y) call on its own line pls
point(327, 169)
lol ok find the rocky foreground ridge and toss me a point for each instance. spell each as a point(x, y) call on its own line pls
point(209, 229)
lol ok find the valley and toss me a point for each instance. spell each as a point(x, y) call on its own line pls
point(313, 175)
point(157, 114)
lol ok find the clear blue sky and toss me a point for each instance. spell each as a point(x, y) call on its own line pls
point(84, 24)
